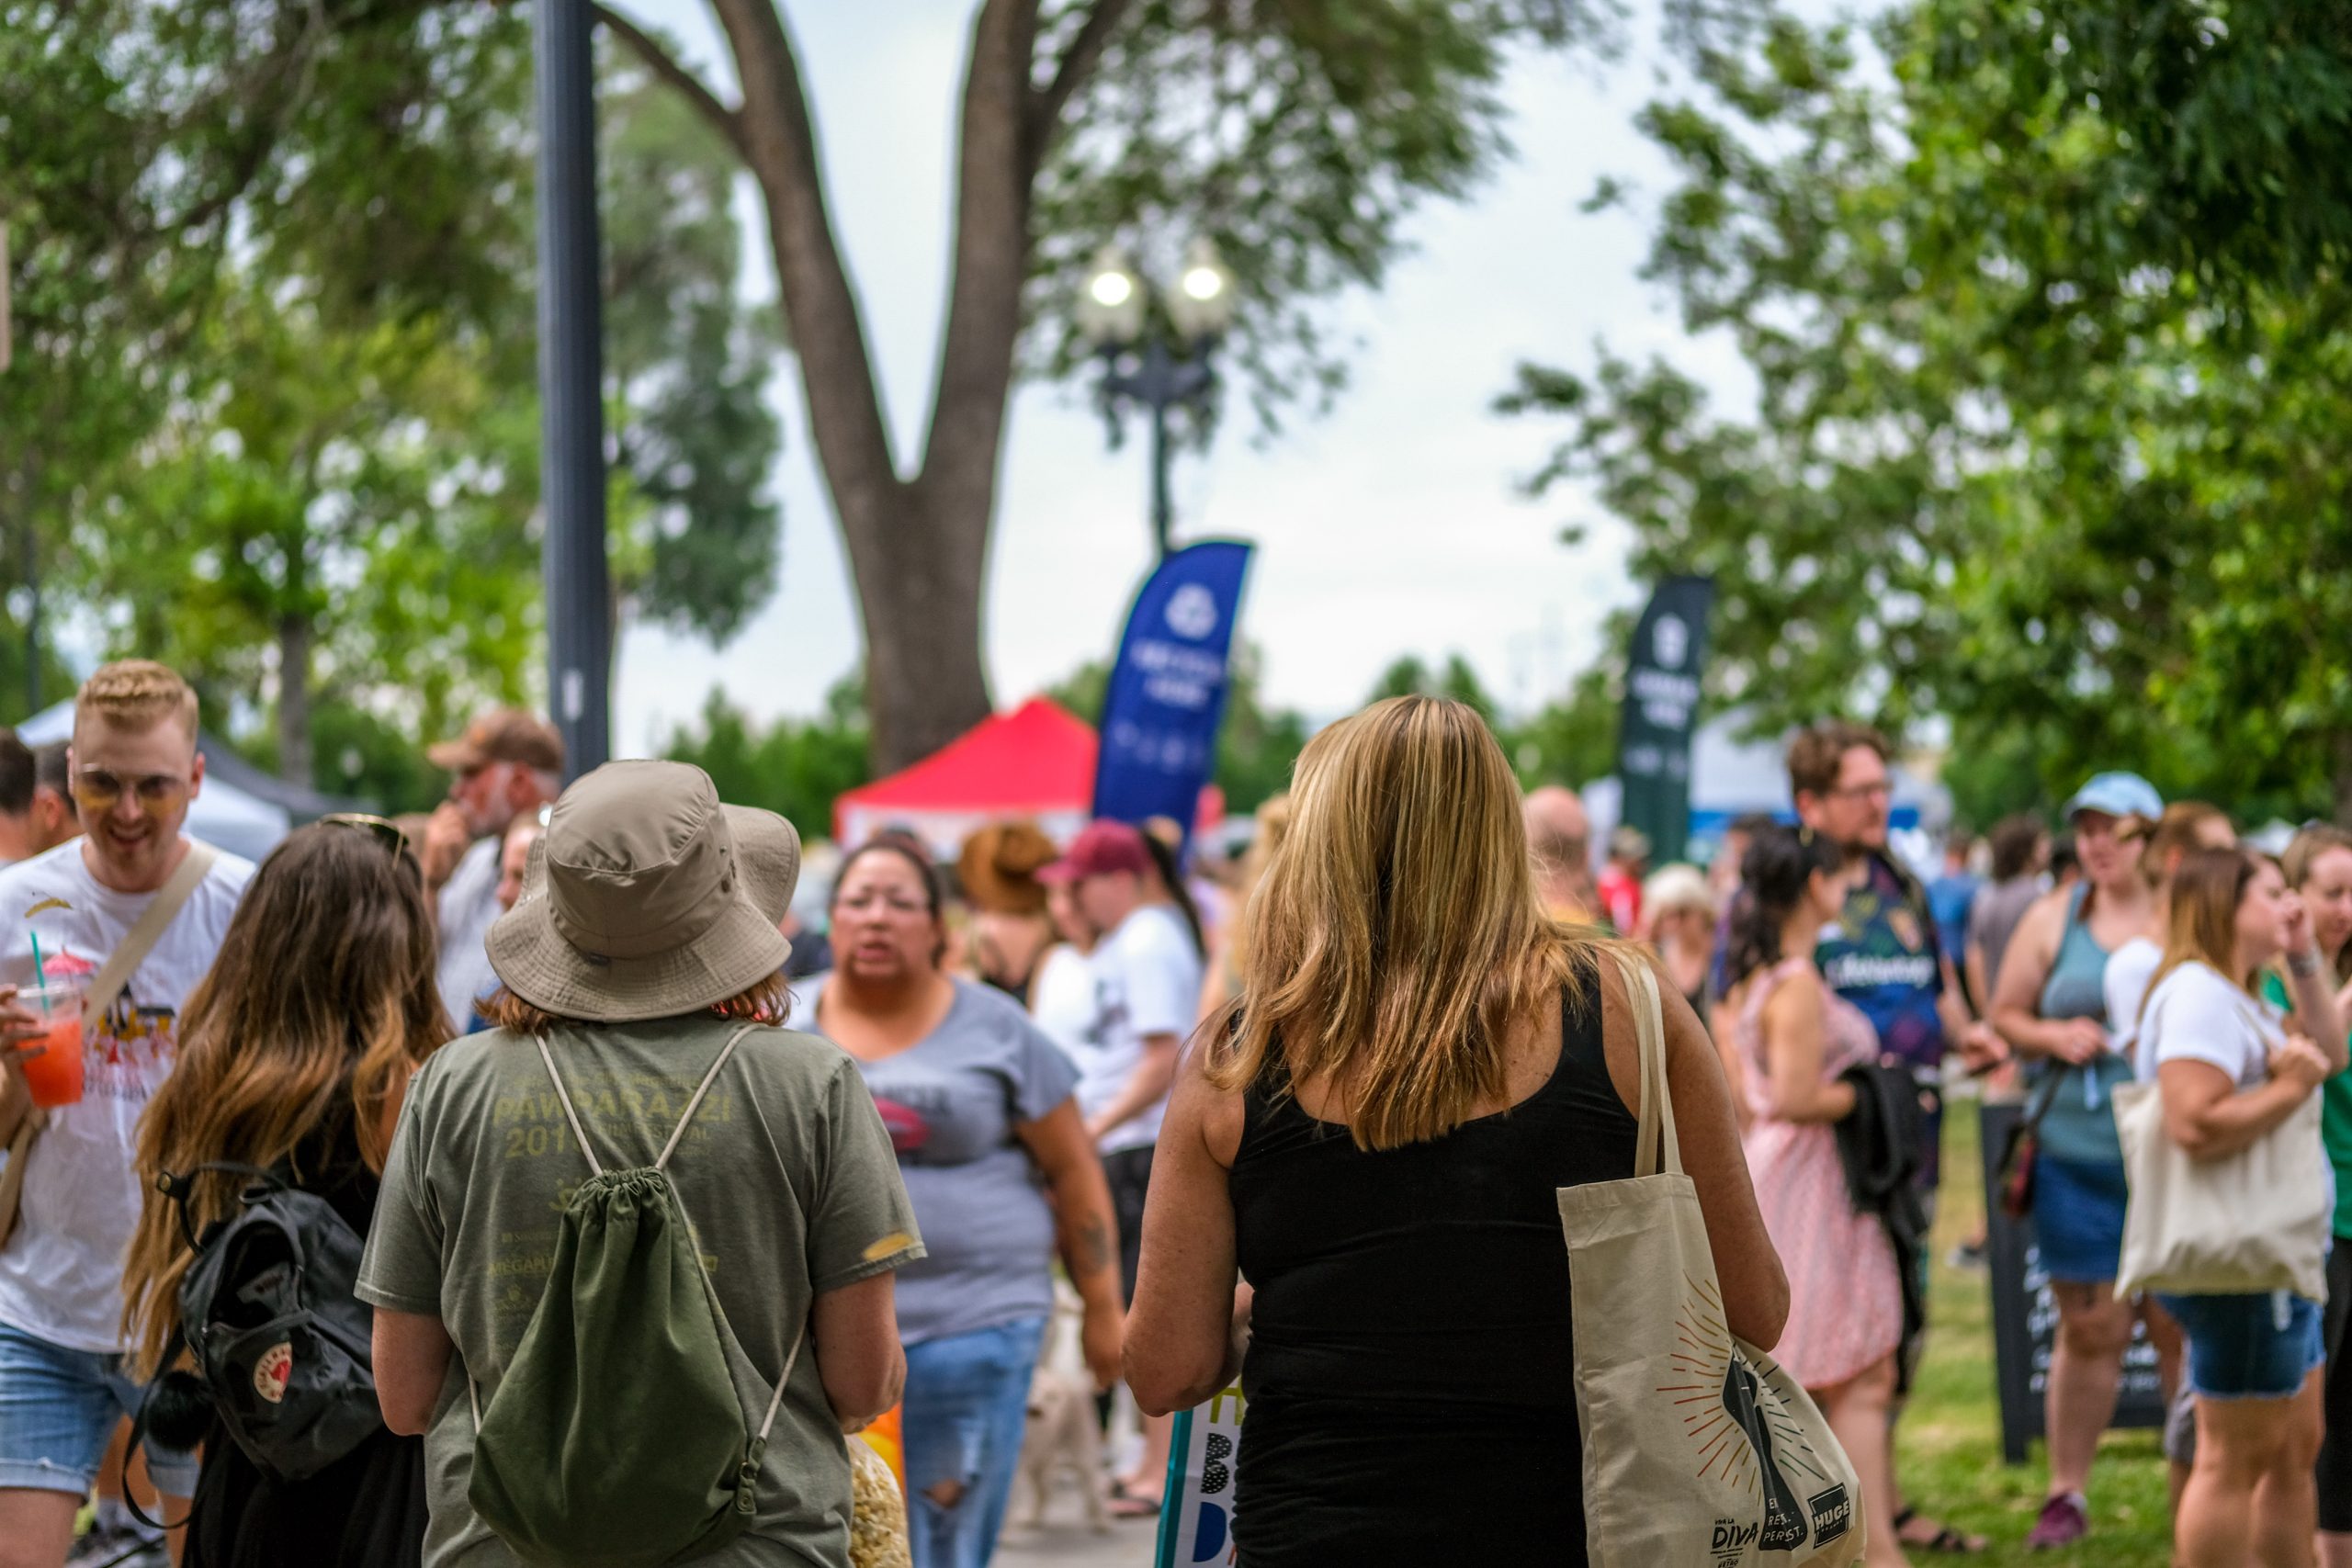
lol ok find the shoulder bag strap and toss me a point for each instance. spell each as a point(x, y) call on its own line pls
point(149, 929)
point(1655, 1125)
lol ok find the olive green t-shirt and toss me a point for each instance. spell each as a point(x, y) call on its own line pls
point(786, 1176)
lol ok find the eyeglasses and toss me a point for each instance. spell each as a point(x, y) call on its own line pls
point(1875, 790)
point(382, 829)
point(98, 790)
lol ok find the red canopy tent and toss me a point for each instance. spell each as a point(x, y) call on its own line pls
point(1035, 762)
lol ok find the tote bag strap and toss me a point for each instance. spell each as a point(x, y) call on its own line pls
point(1655, 1123)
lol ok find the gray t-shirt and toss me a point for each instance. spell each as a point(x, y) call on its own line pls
point(951, 1102)
point(1994, 916)
point(786, 1174)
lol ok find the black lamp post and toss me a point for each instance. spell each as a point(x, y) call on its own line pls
point(1157, 359)
point(572, 422)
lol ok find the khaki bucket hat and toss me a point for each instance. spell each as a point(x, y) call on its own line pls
point(647, 898)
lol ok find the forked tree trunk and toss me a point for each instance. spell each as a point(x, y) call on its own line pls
point(918, 547)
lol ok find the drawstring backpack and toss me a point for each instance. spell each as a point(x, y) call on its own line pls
point(616, 1439)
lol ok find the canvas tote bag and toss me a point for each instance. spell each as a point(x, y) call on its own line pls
point(1697, 1448)
point(2250, 1222)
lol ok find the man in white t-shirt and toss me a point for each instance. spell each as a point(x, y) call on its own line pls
point(508, 764)
point(63, 1388)
point(1147, 995)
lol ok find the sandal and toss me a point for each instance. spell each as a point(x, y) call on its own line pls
point(1125, 1505)
point(1947, 1540)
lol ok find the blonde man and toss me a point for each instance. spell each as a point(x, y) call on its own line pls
point(133, 769)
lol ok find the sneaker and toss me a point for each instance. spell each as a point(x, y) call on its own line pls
point(118, 1547)
point(2064, 1520)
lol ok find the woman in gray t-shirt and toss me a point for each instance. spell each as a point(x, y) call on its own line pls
point(979, 1107)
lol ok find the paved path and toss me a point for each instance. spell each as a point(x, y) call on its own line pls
point(1066, 1543)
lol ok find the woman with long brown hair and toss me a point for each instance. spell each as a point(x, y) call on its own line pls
point(1341, 1143)
point(295, 1052)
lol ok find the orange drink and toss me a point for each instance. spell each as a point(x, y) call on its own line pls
point(53, 1071)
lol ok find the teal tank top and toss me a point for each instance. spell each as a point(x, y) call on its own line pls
point(2079, 1126)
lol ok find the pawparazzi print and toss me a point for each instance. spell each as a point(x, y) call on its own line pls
point(1739, 1434)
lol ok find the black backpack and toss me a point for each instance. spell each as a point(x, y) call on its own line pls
point(281, 1345)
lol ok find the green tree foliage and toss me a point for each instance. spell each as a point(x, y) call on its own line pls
point(2007, 464)
point(304, 466)
point(795, 768)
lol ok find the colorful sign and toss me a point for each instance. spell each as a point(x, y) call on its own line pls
point(1203, 1459)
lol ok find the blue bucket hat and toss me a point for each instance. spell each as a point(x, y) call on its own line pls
point(2118, 795)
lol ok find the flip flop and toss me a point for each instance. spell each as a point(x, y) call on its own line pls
point(1946, 1539)
point(1128, 1506)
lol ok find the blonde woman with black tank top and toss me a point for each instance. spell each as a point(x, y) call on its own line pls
point(1370, 1140)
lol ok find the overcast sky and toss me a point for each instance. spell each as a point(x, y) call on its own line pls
point(1395, 524)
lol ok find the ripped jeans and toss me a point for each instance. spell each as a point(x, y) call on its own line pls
point(967, 1404)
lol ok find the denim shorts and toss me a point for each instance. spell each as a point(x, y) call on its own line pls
point(2248, 1347)
point(57, 1407)
point(2078, 1218)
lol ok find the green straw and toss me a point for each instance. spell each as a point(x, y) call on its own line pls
point(40, 970)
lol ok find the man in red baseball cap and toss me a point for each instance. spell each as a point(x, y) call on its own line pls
point(507, 764)
point(1147, 995)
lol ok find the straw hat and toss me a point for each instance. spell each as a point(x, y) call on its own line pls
point(998, 865)
point(647, 898)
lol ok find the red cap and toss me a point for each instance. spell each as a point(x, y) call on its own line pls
point(1101, 849)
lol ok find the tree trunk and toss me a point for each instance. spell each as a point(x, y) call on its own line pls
point(294, 636)
point(918, 548)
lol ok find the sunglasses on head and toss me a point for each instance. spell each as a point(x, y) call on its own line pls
point(100, 790)
point(382, 829)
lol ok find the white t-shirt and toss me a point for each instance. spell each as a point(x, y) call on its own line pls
point(1061, 999)
point(468, 908)
point(2125, 981)
point(1147, 982)
point(2196, 1015)
point(61, 1274)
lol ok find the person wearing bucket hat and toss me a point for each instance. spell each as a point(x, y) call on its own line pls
point(642, 960)
point(2049, 1003)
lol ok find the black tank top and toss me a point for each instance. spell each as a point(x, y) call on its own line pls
point(1411, 1365)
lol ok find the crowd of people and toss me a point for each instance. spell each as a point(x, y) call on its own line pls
point(564, 1082)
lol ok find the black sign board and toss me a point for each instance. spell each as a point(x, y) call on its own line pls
point(2025, 1317)
point(1663, 671)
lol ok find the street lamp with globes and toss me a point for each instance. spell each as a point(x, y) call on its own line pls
point(1157, 358)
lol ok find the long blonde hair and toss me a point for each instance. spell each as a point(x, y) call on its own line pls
point(319, 1005)
point(1397, 934)
point(1274, 827)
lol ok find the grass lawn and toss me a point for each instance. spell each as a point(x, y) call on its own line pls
point(1948, 1445)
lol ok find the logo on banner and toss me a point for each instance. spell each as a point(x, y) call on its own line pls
point(1671, 641)
point(1192, 612)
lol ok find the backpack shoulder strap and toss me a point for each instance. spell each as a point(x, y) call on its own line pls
point(563, 1096)
point(144, 932)
point(662, 1161)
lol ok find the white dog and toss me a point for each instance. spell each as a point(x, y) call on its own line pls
point(1063, 1434)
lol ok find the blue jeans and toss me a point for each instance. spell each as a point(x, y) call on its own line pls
point(966, 1405)
point(57, 1407)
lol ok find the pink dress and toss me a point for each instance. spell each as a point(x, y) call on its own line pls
point(1845, 1297)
